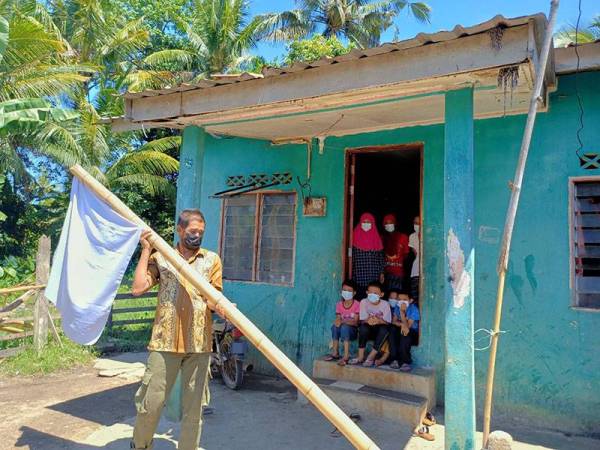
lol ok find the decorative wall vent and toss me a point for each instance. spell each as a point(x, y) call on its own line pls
point(259, 178)
point(236, 180)
point(282, 178)
point(589, 161)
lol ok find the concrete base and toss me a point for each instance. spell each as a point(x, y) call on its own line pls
point(374, 402)
point(419, 382)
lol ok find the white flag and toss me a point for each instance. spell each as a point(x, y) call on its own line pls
point(93, 252)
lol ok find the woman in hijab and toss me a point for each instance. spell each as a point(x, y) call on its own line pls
point(367, 254)
point(396, 249)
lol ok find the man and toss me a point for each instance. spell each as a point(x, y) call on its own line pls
point(181, 335)
point(414, 244)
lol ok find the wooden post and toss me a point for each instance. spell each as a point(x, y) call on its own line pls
point(215, 299)
point(40, 312)
point(459, 389)
point(511, 215)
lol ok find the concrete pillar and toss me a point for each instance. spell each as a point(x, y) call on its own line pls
point(459, 271)
point(189, 191)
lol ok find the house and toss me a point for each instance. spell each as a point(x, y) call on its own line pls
point(428, 126)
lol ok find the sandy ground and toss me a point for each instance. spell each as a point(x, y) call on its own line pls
point(82, 411)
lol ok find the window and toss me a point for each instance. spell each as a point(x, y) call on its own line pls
point(258, 237)
point(585, 238)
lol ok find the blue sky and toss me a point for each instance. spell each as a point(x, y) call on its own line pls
point(445, 14)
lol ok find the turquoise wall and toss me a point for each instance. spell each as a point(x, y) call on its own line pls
point(547, 369)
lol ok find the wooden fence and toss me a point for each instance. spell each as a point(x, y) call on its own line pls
point(37, 324)
point(134, 309)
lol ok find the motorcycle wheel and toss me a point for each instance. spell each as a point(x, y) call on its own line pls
point(231, 367)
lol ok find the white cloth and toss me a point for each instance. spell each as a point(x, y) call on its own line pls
point(413, 242)
point(93, 252)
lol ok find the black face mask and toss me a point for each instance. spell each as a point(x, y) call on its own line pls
point(192, 241)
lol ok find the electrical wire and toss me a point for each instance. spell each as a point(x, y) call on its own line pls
point(577, 94)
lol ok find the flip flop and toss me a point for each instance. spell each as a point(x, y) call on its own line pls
point(331, 358)
point(424, 433)
point(368, 363)
point(342, 362)
point(355, 362)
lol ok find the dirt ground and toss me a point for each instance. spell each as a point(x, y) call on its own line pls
point(81, 411)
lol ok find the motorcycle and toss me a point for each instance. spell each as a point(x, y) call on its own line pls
point(229, 349)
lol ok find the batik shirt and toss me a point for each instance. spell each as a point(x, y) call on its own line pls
point(183, 321)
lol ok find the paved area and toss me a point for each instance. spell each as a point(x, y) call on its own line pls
point(82, 411)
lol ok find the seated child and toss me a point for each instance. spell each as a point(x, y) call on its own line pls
point(375, 318)
point(404, 331)
point(345, 326)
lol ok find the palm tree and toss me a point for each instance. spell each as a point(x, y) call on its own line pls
point(35, 70)
point(219, 34)
point(569, 35)
point(359, 21)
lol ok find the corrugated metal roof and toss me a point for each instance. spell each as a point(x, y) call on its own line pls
point(419, 40)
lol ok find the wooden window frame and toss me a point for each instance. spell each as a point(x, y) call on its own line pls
point(258, 234)
point(572, 269)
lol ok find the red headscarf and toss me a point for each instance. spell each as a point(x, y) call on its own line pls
point(367, 240)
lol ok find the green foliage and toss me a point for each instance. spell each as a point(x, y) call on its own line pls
point(53, 358)
point(358, 21)
point(569, 35)
point(318, 46)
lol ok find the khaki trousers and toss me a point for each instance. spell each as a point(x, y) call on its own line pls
point(161, 373)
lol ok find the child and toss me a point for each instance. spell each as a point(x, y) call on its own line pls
point(404, 331)
point(345, 325)
point(375, 318)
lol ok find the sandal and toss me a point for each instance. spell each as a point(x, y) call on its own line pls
point(331, 358)
point(355, 362)
point(380, 362)
point(424, 433)
point(368, 363)
point(429, 420)
point(342, 362)
point(394, 365)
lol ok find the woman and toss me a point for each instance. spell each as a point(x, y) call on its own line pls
point(396, 249)
point(367, 254)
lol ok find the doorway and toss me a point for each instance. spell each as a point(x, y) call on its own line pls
point(382, 180)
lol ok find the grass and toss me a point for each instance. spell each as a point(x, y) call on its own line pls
point(133, 337)
point(53, 358)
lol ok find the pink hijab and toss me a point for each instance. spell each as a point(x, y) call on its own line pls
point(367, 240)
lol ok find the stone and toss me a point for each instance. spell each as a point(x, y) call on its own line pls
point(499, 440)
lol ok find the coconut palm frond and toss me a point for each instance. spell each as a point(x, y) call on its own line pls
point(182, 58)
point(162, 144)
point(152, 184)
point(147, 162)
point(131, 38)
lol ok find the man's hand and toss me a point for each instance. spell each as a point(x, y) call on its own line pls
point(144, 242)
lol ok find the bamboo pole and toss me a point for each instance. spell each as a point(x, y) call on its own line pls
point(511, 215)
point(215, 299)
point(13, 289)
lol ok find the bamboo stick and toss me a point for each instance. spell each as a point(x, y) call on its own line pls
point(215, 299)
point(13, 289)
point(511, 215)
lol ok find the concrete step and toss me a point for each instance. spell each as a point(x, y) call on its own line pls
point(418, 382)
point(374, 402)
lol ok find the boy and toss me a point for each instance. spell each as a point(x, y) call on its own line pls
point(375, 317)
point(404, 332)
point(345, 325)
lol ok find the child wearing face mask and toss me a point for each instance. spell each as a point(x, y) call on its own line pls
point(404, 331)
point(345, 326)
point(367, 253)
point(375, 317)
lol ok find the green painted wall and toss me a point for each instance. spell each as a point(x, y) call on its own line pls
point(547, 369)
